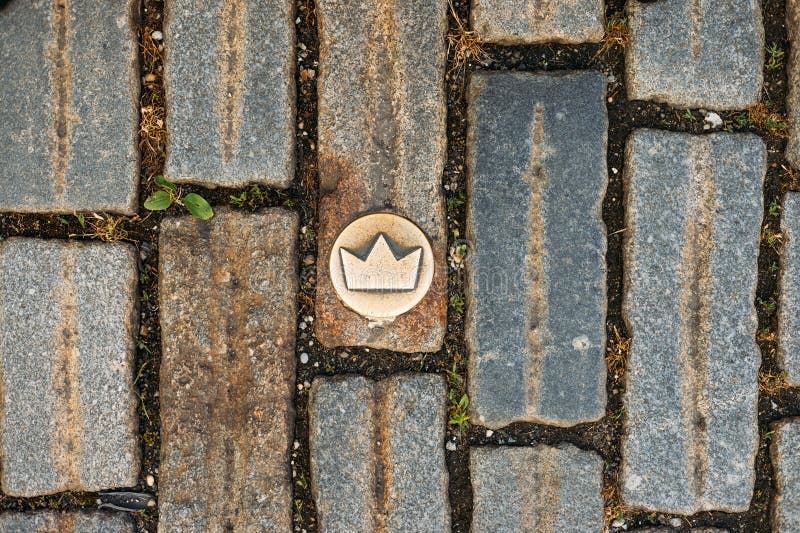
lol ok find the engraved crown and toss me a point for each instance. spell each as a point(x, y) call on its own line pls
point(382, 270)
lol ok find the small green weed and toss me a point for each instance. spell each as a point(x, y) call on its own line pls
point(774, 57)
point(457, 303)
point(169, 194)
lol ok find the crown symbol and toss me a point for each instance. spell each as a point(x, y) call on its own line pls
point(381, 269)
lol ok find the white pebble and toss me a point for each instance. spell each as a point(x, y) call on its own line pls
point(150, 480)
point(489, 432)
point(451, 446)
point(157, 35)
point(713, 120)
point(304, 358)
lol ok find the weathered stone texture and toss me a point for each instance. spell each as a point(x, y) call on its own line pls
point(69, 114)
point(695, 53)
point(541, 489)
point(227, 292)
point(789, 319)
point(537, 273)
point(71, 522)
point(230, 96)
point(691, 250)
point(786, 462)
point(382, 148)
point(377, 454)
point(537, 21)
point(793, 73)
point(68, 326)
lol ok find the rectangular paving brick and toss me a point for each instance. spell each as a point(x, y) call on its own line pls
point(691, 256)
point(695, 53)
point(68, 326)
point(382, 147)
point(541, 489)
point(538, 21)
point(377, 453)
point(70, 522)
point(536, 285)
point(789, 309)
point(230, 95)
point(793, 73)
point(786, 462)
point(69, 114)
point(227, 294)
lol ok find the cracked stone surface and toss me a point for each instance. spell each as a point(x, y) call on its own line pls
point(377, 453)
point(538, 488)
point(695, 53)
point(536, 301)
point(71, 522)
point(788, 320)
point(68, 324)
point(783, 450)
point(537, 21)
point(227, 292)
point(70, 117)
point(691, 249)
point(382, 148)
point(230, 92)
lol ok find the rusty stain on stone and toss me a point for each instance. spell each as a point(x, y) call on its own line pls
point(232, 34)
point(61, 78)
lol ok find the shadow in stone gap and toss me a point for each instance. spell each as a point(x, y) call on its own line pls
point(4, 4)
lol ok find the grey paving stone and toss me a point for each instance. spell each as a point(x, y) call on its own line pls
point(695, 53)
point(793, 73)
point(230, 96)
point(68, 326)
point(69, 112)
point(786, 462)
point(691, 250)
point(537, 21)
point(227, 295)
point(541, 489)
point(789, 309)
point(71, 522)
point(537, 274)
point(377, 454)
point(382, 147)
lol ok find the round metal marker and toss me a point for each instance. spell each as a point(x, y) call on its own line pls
point(381, 265)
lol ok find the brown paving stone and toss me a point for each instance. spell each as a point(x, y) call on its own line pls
point(382, 148)
point(538, 21)
point(228, 302)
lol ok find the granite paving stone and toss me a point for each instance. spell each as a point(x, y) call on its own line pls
point(227, 296)
point(70, 522)
point(544, 489)
point(695, 53)
point(69, 114)
point(793, 89)
point(786, 462)
point(536, 21)
point(789, 309)
point(377, 453)
point(68, 325)
point(691, 250)
point(230, 94)
point(382, 148)
point(536, 285)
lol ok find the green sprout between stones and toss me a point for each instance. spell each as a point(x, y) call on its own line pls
point(169, 194)
point(774, 57)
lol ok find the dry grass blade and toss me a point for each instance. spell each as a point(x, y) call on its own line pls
point(107, 228)
point(466, 44)
point(617, 353)
point(616, 34)
point(612, 501)
point(767, 121)
point(771, 382)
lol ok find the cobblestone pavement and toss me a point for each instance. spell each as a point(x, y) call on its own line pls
point(610, 194)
